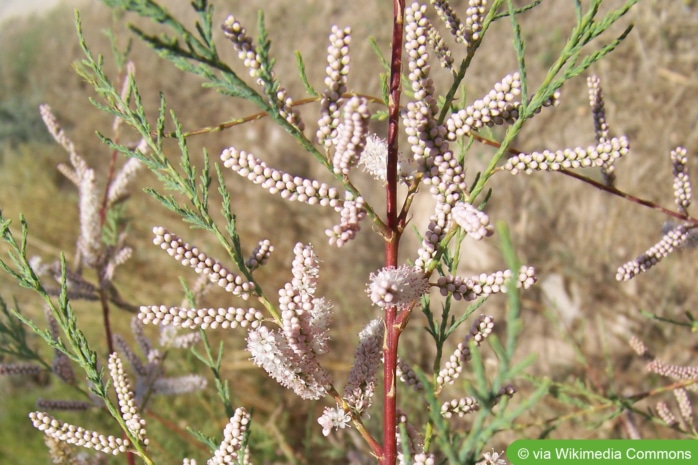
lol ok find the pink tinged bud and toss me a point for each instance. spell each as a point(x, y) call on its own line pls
point(231, 448)
point(473, 221)
point(459, 407)
point(399, 287)
point(192, 257)
point(670, 241)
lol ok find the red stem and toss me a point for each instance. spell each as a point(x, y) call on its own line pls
point(392, 241)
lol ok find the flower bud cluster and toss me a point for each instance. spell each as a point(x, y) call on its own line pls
point(399, 287)
point(683, 192)
point(124, 395)
point(452, 21)
point(374, 160)
point(480, 329)
point(336, 84)
point(19, 369)
point(484, 284)
point(685, 408)
point(442, 51)
point(76, 435)
point(424, 135)
point(670, 241)
point(194, 258)
point(62, 367)
point(473, 221)
point(351, 135)
point(179, 385)
point(598, 111)
point(460, 407)
point(247, 52)
point(351, 214)
point(289, 187)
point(230, 450)
point(270, 350)
point(66, 405)
point(89, 242)
point(260, 255)
point(665, 414)
point(603, 154)
point(203, 318)
point(507, 390)
point(474, 15)
point(496, 108)
point(436, 231)
point(408, 376)
point(305, 269)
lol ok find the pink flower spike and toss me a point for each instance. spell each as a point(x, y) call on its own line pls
point(397, 286)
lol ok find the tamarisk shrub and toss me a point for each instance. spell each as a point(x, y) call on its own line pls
point(289, 336)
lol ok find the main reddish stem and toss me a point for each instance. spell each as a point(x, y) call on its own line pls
point(392, 241)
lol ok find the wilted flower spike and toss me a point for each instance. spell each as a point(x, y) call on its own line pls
point(398, 287)
point(333, 418)
point(287, 186)
point(89, 242)
point(360, 387)
point(202, 263)
point(670, 241)
point(683, 191)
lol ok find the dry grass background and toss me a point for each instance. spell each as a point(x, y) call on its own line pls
point(576, 320)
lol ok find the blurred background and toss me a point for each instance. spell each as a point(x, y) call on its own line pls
point(578, 319)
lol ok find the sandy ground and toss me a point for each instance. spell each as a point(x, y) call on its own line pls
point(14, 8)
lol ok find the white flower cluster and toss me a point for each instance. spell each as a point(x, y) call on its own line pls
point(399, 287)
point(333, 418)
